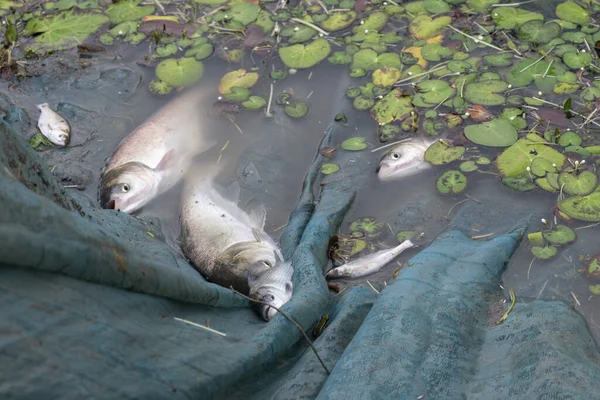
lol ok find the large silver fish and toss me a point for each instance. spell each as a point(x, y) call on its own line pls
point(155, 156)
point(405, 159)
point(229, 246)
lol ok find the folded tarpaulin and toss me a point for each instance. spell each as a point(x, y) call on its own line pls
point(89, 296)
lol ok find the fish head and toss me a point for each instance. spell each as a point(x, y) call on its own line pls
point(272, 286)
point(403, 160)
point(128, 187)
point(61, 139)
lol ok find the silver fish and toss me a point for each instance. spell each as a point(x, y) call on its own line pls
point(54, 127)
point(230, 246)
point(405, 159)
point(154, 157)
point(368, 264)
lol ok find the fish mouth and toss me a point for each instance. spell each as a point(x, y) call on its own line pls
point(111, 205)
point(377, 169)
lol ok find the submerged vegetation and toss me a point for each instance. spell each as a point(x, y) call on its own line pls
point(514, 85)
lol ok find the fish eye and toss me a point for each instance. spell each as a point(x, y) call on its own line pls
point(396, 156)
point(125, 188)
point(267, 264)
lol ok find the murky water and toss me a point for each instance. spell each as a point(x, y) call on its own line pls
point(269, 157)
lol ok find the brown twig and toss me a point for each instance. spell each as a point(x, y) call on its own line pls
point(292, 321)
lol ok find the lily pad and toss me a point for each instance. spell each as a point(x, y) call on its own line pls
point(297, 110)
point(374, 22)
point(298, 33)
point(425, 27)
point(514, 160)
point(340, 58)
point(572, 12)
point(543, 253)
point(486, 93)
point(238, 94)
point(393, 106)
point(585, 208)
point(362, 103)
point(128, 10)
point(536, 31)
point(368, 225)
point(180, 72)
point(512, 17)
point(561, 234)
point(594, 269)
point(569, 139)
point(386, 76)
point(38, 140)
point(495, 133)
point(536, 238)
point(595, 289)
point(254, 103)
point(468, 166)
point(577, 60)
point(354, 144)
point(305, 56)
point(404, 235)
point(239, 78)
point(338, 20)
point(200, 52)
point(329, 168)
point(545, 185)
point(432, 92)
point(159, 87)
point(436, 6)
point(451, 182)
point(522, 183)
point(369, 60)
point(541, 166)
point(578, 185)
point(244, 12)
point(435, 52)
point(63, 30)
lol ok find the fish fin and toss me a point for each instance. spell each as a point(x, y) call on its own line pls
point(258, 216)
point(232, 192)
point(167, 161)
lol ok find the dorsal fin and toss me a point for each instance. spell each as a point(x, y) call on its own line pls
point(258, 216)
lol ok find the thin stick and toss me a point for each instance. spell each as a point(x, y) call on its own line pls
point(576, 300)
point(513, 4)
point(372, 287)
point(452, 208)
point(206, 328)
point(482, 236)
point(432, 70)
point(316, 28)
point(588, 226)
point(289, 319)
point(475, 39)
point(529, 269)
point(268, 110)
point(513, 301)
point(390, 144)
point(542, 290)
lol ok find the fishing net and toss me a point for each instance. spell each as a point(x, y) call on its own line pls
point(89, 298)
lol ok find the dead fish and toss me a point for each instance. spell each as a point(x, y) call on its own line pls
point(229, 246)
point(155, 156)
point(368, 264)
point(405, 159)
point(54, 127)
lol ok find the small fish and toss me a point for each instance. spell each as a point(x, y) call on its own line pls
point(405, 159)
point(368, 264)
point(229, 246)
point(54, 127)
point(154, 157)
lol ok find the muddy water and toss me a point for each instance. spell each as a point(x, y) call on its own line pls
point(269, 157)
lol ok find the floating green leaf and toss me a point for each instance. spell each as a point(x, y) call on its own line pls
point(514, 160)
point(577, 60)
point(572, 12)
point(244, 12)
point(404, 235)
point(512, 18)
point(297, 110)
point(468, 166)
point(165, 51)
point(581, 184)
point(536, 31)
point(254, 103)
point(543, 253)
point(541, 166)
point(369, 60)
point(363, 103)
point(569, 139)
point(338, 20)
point(180, 72)
point(435, 52)
point(374, 22)
point(432, 92)
point(63, 30)
point(481, 5)
point(239, 78)
point(594, 269)
point(451, 182)
point(305, 56)
point(298, 33)
point(340, 58)
point(128, 10)
point(441, 152)
point(38, 140)
point(354, 144)
point(201, 51)
point(368, 225)
point(561, 234)
point(436, 6)
point(393, 106)
point(425, 27)
point(495, 133)
point(545, 185)
point(486, 93)
point(522, 183)
point(535, 238)
point(585, 208)
point(238, 94)
point(329, 168)
point(386, 76)
point(159, 87)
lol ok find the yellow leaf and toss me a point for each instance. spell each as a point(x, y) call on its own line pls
point(160, 18)
point(416, 52)
point(386, 76)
